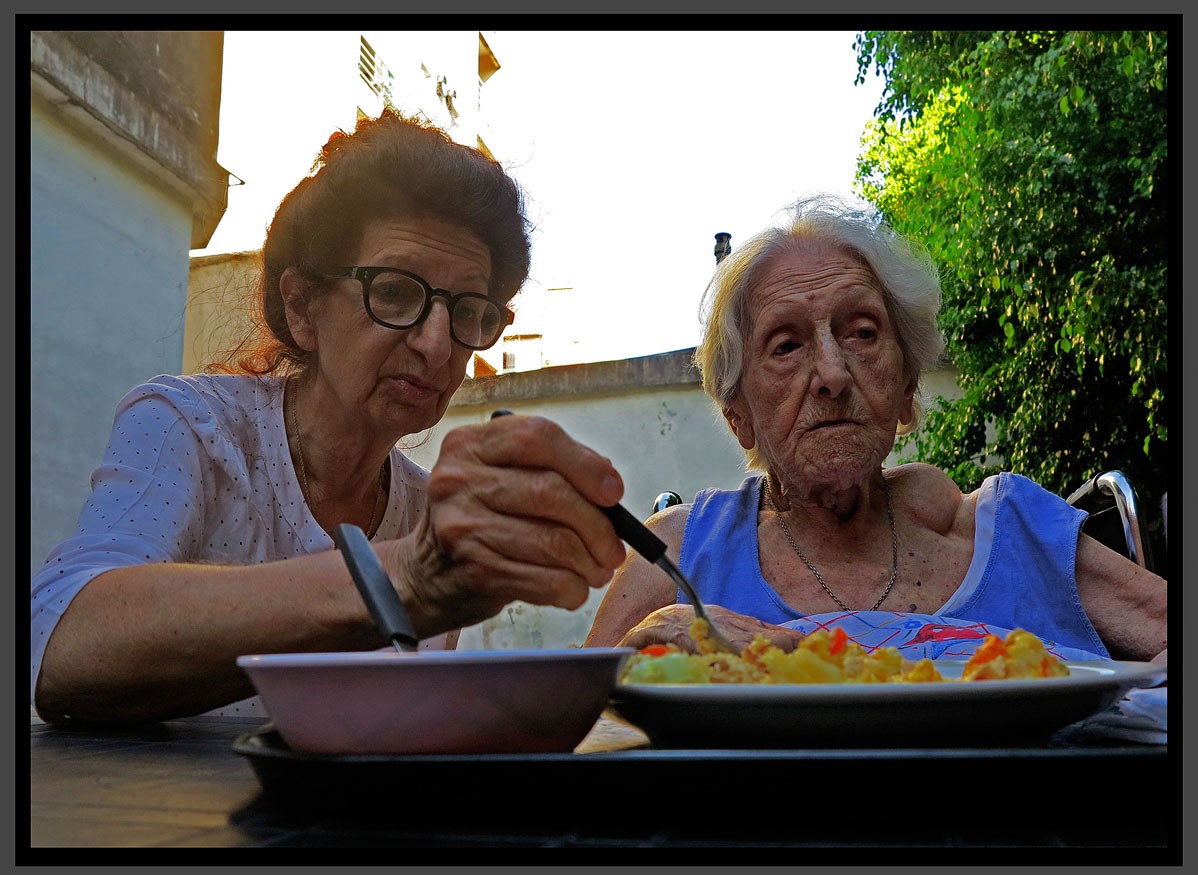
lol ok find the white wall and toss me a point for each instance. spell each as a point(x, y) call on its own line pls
point(108, 286)
point(659, 439)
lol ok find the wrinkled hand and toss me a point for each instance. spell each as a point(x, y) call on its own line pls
point(511, 515)
point(671, 625)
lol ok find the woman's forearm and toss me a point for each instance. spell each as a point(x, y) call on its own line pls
point(149, 642)
point(1128, 605)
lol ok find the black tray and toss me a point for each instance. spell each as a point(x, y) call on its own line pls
point(644, 791)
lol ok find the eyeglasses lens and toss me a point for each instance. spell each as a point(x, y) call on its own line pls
point(399, 300)
point(396, 298)
point(476, 322)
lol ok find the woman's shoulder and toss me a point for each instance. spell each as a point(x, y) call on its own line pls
point(670, 524)
point(191, 382)
point(214, 408)
point(924, 477)
point(215, 390)
point(929, 494)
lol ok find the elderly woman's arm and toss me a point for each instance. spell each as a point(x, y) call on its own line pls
point(639, 587)
point(639, 607)
point(1128, 605)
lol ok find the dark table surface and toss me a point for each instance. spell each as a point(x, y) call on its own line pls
point(212, 782)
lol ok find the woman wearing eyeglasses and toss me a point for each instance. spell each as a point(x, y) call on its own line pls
point(207, 532)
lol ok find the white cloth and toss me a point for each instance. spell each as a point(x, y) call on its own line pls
point(197, 469)
point(1142, 715)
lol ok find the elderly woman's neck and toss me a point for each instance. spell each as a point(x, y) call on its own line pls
point(829, 505)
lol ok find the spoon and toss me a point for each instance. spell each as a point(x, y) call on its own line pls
point(376, 588)
point(637, 535)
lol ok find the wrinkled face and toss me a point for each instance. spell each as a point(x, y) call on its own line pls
point(823, 388)
point(398, 380)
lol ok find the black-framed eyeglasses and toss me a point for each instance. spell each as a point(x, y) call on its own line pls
point(401, 299)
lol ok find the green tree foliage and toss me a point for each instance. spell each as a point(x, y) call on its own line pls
point(1034, 166)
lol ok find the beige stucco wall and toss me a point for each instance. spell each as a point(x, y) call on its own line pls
point(220, 292)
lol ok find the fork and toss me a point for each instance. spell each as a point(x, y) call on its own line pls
point(653, 548)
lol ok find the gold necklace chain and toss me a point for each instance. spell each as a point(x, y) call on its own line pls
point(765, 488)
point(375, 518)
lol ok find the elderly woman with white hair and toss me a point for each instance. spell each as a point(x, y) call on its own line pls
point(815, 337)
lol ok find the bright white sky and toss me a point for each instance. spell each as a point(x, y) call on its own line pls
point(634, 149)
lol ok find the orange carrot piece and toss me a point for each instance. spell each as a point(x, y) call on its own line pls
point(839, 639)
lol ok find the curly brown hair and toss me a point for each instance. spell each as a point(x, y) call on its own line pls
point(391, 167)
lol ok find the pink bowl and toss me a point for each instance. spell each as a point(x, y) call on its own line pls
point(456, 701)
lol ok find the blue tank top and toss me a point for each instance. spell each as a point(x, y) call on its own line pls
point(1022, 575)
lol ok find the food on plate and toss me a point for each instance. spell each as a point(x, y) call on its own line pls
point(832, 657)
point(1020, 655)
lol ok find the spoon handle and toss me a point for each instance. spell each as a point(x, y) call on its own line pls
point(375, 586)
